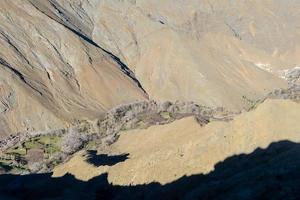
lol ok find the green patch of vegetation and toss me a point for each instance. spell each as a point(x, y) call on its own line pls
point(19, 169)
point(31, 144)
point(165, 115)
point(10, 165)
point(17, 156)
point(49, 139)
point(141, 124)
point(4, 163)
point(53, 163)
point(51, 144)
point(250, 102)
point(51, 149)
point(124, 128)
point(91, 145)
point(17, 150)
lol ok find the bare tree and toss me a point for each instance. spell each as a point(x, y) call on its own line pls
point(72, 141)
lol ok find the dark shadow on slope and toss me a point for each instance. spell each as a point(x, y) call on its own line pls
point(103, 159)
point(272, 173)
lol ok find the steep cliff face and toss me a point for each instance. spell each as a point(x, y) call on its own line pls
point(50, 75)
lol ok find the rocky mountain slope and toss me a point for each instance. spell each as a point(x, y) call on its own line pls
point(77, 59)
point(195, 51)
point(149, 99)
point(49, 76)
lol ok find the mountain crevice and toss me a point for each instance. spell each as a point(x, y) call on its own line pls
point(15, 48)
point(18, 74)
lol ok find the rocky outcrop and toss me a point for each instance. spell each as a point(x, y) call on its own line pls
point(292, 76)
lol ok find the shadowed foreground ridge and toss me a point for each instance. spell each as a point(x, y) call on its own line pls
point(271, 173)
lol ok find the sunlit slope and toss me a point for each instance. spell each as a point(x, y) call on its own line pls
point(167, 152)
point(50, 76)
point(211, 52)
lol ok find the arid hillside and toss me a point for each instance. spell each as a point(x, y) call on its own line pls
point(253, 156)
point(150, 99)
point(49, 76)
point(166, 153)
point(211, 52)
point(66, 60)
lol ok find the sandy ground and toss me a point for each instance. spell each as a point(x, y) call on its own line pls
point(167, 152)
